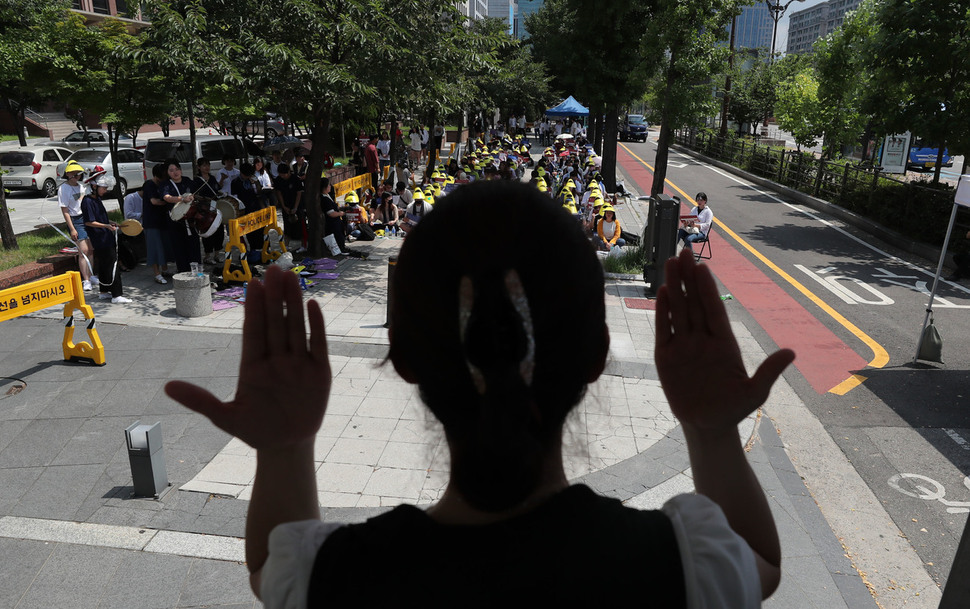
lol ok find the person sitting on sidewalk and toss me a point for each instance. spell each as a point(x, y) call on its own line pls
point(696, 229)
point(608, 230)
point(480, 332)
point(103, 234)
point(386, 216)
point(415, 212)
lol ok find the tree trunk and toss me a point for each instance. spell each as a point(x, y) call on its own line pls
point(600, 143)
point(320, 136)
point(939, 163)
point(7, 236)
point(19, 122)
point(432, 153)
point(113, 135)
point(609, 149)
point(191, 116)
point(663, 142)
point(392, 168)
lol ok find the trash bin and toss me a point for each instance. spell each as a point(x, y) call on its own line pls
point(147, 459)
point(193, 296)
point(659, 239)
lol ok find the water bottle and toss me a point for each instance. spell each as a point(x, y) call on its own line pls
point(245, 286)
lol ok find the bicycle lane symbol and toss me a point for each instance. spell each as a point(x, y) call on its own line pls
point(928, 489)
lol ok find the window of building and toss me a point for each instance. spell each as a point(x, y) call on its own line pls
point(101, 7)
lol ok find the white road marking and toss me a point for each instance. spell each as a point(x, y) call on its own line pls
point(923, 491)
point(213, 547)
point(843, 232)
point(960, 440)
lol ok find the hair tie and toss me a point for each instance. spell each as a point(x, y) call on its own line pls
point(516, 295)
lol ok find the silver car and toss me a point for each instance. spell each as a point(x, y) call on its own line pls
point(33, 168)
point(94, 137)
point(131, 169)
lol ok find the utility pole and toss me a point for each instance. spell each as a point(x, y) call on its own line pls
point(726, 101)
point(777, 10)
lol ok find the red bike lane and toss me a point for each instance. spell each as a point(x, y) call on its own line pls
point(821, 356)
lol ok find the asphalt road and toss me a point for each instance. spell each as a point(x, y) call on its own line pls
point(851, 306)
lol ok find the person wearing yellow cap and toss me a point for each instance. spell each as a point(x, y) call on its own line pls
point(418, 209)
point(69, 198)
point(608, 230)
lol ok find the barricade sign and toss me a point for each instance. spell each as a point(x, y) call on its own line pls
point(361, 181)
point(62, 289)
point(264, 219)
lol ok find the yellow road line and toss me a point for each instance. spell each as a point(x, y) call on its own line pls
point(879, 355)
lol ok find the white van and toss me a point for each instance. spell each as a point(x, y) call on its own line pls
point(210, 147)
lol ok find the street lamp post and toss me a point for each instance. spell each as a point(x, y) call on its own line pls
point(777, 10)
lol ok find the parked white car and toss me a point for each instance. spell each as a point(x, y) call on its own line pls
point(33, 167)
point(131, 169)
point(93, 137)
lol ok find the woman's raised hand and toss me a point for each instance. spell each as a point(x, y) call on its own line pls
point(697, 355)
point(284, 382)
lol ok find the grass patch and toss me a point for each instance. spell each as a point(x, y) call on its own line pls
point(629, 262)
point(9, 138)
point(39, 244)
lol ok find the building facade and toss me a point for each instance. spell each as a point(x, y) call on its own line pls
point(526, 8)
point(474, 9)
point(754, 28)
point(508, 12)
point(94, 11)
point(808, 25)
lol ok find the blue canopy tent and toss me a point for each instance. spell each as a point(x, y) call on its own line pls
point(568, 107)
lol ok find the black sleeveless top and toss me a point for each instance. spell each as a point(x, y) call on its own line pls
point(576, 549)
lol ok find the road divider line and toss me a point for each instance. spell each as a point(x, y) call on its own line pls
point(879, 355)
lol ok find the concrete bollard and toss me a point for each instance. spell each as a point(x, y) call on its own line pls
point(193, 298)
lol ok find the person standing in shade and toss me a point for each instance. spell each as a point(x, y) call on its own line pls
point(227, 174)
point(104, 238)
point(372, 162)
point(178, 189)
point(289, 199)
point(157, 226)
point(207, 186)
point(333, 217)
point(384, 152)
point(69, 198)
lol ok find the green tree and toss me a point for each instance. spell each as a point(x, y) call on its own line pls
point(798, 110)
point(683, 41)
point(919, 58)
point(196, 46)
point(29, 47)
point(606, 72)
point(844, 82)
point(519, 80)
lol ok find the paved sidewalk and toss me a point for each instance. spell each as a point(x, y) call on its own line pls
point(72, 535)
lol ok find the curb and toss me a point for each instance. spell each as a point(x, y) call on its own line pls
point(32, 271)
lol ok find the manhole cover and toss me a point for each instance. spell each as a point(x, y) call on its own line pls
point(643, 304)
point(11, 386)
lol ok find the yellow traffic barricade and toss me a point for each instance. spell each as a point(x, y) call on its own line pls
point(342, 188)
point(264, 219)
point(44, 293)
